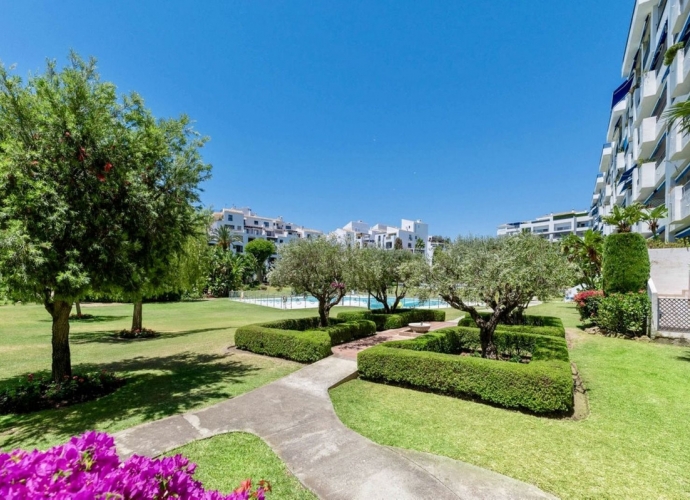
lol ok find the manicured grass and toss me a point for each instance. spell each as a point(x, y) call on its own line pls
point(634, 443)
point(187, 367)
point(225, 461)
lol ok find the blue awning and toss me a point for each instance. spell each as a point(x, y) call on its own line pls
point(683, 234)
point(685, 170)
point(663, 185)
point(684, 34)
point(627, 174)
point(620, 93)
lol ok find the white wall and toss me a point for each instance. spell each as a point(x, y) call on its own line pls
point(670, 270)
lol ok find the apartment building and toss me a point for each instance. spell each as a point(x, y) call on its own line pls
point(249, 226)
point(552, 227)
point(646, 159)
point(361, 234)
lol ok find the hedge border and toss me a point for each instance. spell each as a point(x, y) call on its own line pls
point(430, 362)
point(300, 339)
point(540, 325)
point(401, 318)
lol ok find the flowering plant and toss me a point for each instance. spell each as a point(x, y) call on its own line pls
point(39, 392)
point(587, 303)
point(338, 285)
point(88, 468)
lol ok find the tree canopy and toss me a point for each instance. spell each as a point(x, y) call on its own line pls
point(261, 250)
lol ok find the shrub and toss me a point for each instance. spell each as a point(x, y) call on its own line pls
point(38, 393)
point(300, 339)
point(398, 319)
point(431, 362)
point(139, 333)
point(76, 317)
point(625, 314)
point(88, 467)
point(538, 325)
point(587, 303)
point(626, 263)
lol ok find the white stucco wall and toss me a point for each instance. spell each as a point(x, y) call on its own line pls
point(670, 270)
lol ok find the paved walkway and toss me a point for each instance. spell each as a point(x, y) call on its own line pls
point(294, 415)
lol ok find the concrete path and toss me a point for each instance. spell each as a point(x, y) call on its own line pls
point(294, 415)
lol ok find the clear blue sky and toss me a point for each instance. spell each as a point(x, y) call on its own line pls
point(464, 114)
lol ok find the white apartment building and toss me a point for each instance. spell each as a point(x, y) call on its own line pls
point(246, 224)
point(553, 226)
point(646, 160)
point(361, 234)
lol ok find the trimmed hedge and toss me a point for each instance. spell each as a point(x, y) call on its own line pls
point(625, 263)
point(431, 362)
point(300, 339)
point(399, 319)
point(538, 325)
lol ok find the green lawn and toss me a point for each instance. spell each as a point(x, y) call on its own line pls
point(225, 461)
point(187, 367)
point(634, 444)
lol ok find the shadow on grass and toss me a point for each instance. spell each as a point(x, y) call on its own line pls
point(155, 388)
point(110, 337)
point(92, 319)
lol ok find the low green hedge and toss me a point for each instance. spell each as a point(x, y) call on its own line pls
point(538, 325)
point(300, 339)
point(399, 319)
point(431, 362)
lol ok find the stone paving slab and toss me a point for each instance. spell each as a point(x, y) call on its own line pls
point(295, 417)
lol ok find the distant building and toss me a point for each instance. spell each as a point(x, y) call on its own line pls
point(361, 234)
point(553, 226)
point(246, 224)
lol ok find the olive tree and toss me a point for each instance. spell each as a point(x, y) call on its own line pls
point(315, 266)
point(78, 166)
point(504, 274)
point(385, 274)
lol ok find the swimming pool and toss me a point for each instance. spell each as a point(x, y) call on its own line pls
point(350, 300)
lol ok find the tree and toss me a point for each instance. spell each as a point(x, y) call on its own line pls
point(225, 272)
point(504, 273)
point(586, 253)
point(224, 237)
point(419, 245)
point(652, 216)
point(398, 244)
point(384, 274)
point(314, 266)
point(624, 218)
point(77, 168)
point(679, 113)
point(261, 250)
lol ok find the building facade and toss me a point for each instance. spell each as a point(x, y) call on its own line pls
point(361, 234)
point(248, 226)
point(552, 227)
point(645, 158)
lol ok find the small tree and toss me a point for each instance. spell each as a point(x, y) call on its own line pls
point(652, 216)
point(314, 266)
point(505, 274)
point(419, 245)
point(398, 244)
point(261, 250)
point(624, 218)
point(384, 274)
point(224, 238)
point(586, 253)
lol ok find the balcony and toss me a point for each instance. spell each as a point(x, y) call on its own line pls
point(620, 193)
point(616, 112)
point(649, 91)
point(620, 161)
point(650, 132)
point(595, 198)
point(642, 9)
point(679, 144)
point(643, 181)
point(600, 182)
point(606, 157)
point(659, 174)
point(680, 206)
point(607, 193)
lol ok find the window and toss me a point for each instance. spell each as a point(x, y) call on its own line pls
point(288, 227)
point(280, 241)
point(256, 222)
point(231, 226)
point(265, 224)
point(409, 245)
point(229, 217)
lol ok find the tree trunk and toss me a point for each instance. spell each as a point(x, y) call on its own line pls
point(78, 305)
point(62, 363)
point(323, 314)
point(137, 316)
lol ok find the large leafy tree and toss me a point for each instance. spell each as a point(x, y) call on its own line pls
point(78, 169)
point(504, 274)
point(586, 253)
point(262, 251)
point(385, 274)
point(314, 266)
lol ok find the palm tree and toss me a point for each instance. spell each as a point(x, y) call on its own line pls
point(624, 218)
point(224, 237)
point(680, 112)
point(586, 253)
point(652, 216)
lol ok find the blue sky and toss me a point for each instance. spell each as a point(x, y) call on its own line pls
point(462, 114)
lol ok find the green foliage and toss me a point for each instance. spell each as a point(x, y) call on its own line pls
point(626, 263)
point(261, 250)
point(228, 271)
point(679, 243)
point(624, 218)
point(431, 362)
point(671, 52)
point(398, 245)
point(538, 325)
point(300, 339)
point(399, 319)
point(624, 313)
point(419, 245)
point(586, 253)
point(223, 237)
point(679, 112)
point(652, 216)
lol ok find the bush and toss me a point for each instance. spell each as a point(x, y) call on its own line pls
point(538, 325)
point(300, 339)
point(88, 467)
point(38, 393)
point(431, 362)
point(625, 314)
point(143, 333)
point(626, 263)
point(399, 319)
point(587, 303)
